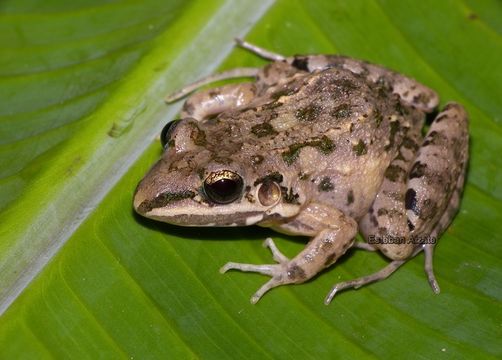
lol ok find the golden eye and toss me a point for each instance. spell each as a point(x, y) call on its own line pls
point(223, 186)
point(269, 193)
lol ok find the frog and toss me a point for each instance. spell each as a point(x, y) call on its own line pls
point(321, 146)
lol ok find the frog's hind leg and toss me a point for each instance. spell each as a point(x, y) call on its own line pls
point(441, 225)
point(410, 91)
point(439, 168)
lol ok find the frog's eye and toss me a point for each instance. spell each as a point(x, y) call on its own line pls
point(223, 186)
point(165, 135)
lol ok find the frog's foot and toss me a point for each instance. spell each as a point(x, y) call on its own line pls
point(357, 283)
point(281, 273)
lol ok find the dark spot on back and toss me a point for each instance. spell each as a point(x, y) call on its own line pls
point(394, 127)
point(395, 173)
point(326, 184)
point(324, 144)
point(360, 148)
point(350, 197)
point(308, 113)
point(341, 111)
point(418, 170)
point(346, 85)
point(256, 159)
point(263, 129)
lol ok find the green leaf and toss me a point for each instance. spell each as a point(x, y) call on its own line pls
point(81, 89)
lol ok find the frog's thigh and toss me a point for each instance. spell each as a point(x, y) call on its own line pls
point(437, 175)
point(385, 224)
point(437, 170)
point(409, 90)
point(213, 101)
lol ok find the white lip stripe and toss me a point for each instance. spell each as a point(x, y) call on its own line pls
point(228, 210)
point(254, 219)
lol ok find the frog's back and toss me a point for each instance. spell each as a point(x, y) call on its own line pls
point(334, 110)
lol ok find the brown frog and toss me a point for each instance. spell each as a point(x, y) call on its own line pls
point(323, 146)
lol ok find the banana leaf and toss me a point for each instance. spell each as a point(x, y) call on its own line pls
point(82, 276)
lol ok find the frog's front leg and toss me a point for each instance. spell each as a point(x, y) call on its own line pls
point(333, 233)
point(204, 104)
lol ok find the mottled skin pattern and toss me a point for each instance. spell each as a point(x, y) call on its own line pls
point(326, 146)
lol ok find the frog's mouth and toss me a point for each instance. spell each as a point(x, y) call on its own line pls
point(190, 219)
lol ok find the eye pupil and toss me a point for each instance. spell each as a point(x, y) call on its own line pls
point(223, 187)
point(167, 131)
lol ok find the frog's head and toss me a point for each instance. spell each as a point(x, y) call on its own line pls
point(195, 185)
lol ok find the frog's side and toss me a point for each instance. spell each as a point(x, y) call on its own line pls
point(319, 146)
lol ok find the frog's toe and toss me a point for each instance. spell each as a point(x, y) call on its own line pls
point(272, 283)
point(429, 270)
point(266, 269)
point(276, 253)
point(282, 273)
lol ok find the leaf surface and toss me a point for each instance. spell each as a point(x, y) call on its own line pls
point(81, 88)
